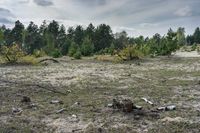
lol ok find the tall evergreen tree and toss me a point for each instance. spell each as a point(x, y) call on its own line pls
point(33, 39)
point(181, 40)
point(196, 35)
point(103, 37)
point(17, 33)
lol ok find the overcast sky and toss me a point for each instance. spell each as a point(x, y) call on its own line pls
point(145, 17)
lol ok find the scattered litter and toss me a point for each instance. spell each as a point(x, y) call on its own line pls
point(69, 91)
point(110, 105)
point(76, 104)
point(161, 108)
point(137, 107)
point(56, 102)
point(17, 111)
point(167, 108)
point(74, 116)
point(26, 99)
point(147, 101)
point(60, 111)
point(171, 107)
point(32, 105)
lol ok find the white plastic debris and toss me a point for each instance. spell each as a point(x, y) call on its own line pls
point(147, 101)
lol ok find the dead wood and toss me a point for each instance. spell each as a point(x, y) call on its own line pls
point(46, 87)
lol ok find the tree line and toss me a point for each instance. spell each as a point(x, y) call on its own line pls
point(54, 40)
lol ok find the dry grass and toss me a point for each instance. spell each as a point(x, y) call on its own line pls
point(94, 84)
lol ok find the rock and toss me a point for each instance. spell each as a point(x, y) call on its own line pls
point(26, 99)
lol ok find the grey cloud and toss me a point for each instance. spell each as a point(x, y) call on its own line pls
point(5, 21)
point(91, 2)
point(3, 10)
point(24, 1)
point(43, 2)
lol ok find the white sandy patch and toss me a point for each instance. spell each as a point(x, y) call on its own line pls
point(187, 54)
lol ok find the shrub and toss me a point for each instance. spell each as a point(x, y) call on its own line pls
point(39, 53)
point(194, 47)
point(56, 53)
point(77, 55)
point(198, 49)
point(73, 49)
point(11, 54)
point(130, 53)
point(28, 60)
point(106, 58)
point(87, 48)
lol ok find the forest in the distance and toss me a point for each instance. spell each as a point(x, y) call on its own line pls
point(55, 40)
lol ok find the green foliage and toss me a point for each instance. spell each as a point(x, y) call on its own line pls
point(181, 40)
point(163, 45)
point(194, 47)
point(198, 49)
point(11, 54)
point(77, 55)
point(73, 48)
point(196, 36)
point(39, 53)
point(1, 37)
point(130, 53)
point(87, 48)
point(56, 53)
point(17, 33)
point(103, 37)
point(28, 60)
point(55, 41)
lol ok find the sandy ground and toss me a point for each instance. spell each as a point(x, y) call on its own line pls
point(187, 54)
point(94, 84)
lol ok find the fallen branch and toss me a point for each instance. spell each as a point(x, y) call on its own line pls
point(60, 111)
point(49, 59)
point(31, 84)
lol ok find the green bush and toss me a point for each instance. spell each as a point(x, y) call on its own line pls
point(11, 54)
point(73, 49)
point(28, 60)
point(56, 53)
point(87, 48)
point(130, 53)
point(77, 55)
point(198, 49)
point(39, 53)
point(194, 47)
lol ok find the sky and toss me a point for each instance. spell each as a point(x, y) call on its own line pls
point(136, 17)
